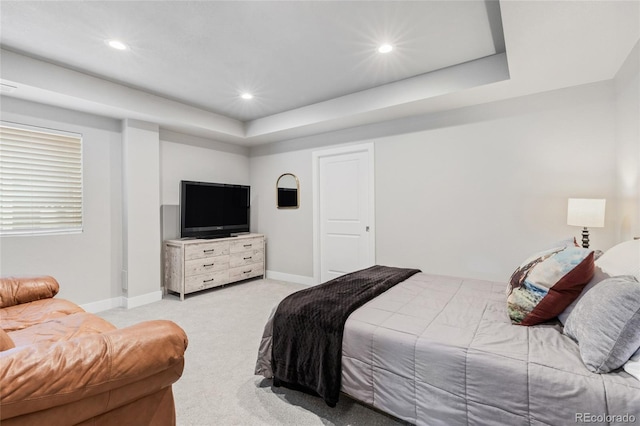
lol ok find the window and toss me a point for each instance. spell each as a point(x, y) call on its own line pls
point(40, 181)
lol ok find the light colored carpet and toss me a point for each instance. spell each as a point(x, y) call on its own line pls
point(218, 387)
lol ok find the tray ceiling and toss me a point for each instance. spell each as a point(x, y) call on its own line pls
point(312, 66)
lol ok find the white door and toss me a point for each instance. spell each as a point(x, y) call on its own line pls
point(345, 210)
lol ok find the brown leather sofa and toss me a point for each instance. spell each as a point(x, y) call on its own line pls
point(60, 365)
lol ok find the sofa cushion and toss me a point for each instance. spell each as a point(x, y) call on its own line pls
point(5, 341)
point(547, 282)
point(25, 315)
point(60, 329)
point(17, 290)
point(84, 377)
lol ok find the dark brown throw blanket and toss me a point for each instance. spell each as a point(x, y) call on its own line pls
point(308, 326)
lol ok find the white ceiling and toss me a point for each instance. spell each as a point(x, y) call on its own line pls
point(312, 66)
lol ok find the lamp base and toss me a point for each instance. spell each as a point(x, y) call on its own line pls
point(585, 237)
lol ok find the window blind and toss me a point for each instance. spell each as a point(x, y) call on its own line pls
point(40, 181)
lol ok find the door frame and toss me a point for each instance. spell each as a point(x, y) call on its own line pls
point(333, 152)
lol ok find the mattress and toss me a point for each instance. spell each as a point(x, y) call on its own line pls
point(437, 350)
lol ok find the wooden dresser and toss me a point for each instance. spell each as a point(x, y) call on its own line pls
point(194, 265)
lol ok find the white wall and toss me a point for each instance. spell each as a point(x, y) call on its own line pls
point(184, 157)
point(470, 192)
point(475, 199)
point(87, 265)
point(289, 232)
point(627, 92)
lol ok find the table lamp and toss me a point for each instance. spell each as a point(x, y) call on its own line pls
point(586, 212)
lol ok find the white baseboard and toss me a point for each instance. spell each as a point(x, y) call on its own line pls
point(298, 279)
point(143, 299)
point(103, 305)
point(122, 302)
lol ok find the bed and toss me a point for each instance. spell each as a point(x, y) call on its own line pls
point(438, 350)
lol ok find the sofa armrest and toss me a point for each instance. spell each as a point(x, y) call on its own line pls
point(18, 290)
point(42, 376)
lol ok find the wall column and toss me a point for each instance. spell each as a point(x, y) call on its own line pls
point(141, 278)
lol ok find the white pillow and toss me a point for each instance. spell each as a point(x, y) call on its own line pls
point(633, 365)
point(621, 259)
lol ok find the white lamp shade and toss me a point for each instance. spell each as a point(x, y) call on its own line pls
point(587, 212)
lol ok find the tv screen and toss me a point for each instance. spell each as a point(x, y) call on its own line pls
point(211, 210)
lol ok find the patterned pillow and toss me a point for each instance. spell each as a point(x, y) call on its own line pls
point(547, 282)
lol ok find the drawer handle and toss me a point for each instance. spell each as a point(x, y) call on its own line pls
point(247, 258)
point(210, 250)
point(207, 281)
point(208, 264)
point(246, 272)
point(247, 245)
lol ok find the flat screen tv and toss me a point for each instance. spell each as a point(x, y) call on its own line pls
point(213, 210)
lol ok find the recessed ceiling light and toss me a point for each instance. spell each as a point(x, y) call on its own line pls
point(117, 44)
point(385, 48)
point(246, 96)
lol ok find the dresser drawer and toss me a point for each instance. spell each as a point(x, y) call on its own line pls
point(200, 282)
point(198, 251)
point(248, 271)
point(246, 244)
point(246, 258)
point(205, 265)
